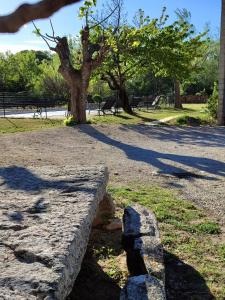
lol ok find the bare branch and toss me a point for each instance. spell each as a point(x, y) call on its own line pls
point(105, 19)
point(53, 31)
point(45, 39)
point(28, 12)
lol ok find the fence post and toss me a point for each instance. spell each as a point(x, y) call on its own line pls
point(4, 103)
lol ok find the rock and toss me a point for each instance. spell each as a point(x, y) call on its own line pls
point(141, 241)
point(143, 287)
point(106, 210)
point(45, 221)
point(115, 224)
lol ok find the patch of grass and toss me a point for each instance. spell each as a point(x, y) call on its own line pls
point(193, 255)
point(143, 116)
point(20, 125)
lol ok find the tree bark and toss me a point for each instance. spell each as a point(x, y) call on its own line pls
point(115, 85)
point(221, 104)
point(177, 98)
point(123, 97)
point(28, 12)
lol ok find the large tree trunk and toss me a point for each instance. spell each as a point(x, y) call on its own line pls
point(221, 106)
point(124, 100)
point(78, 103)
point(177, 98)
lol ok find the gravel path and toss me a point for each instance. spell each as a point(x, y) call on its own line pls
point(192, 160)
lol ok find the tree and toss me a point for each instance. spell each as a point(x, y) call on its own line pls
point(150, 45)
point(221, 105)
point(93, 50)
point(28, 12)
point(18, 72)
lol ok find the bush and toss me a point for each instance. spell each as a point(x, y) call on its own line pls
point(97, 98)
point(212, 104)
point(69, 121)
point(187, 120)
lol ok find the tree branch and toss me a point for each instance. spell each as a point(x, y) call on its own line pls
point(28, 12)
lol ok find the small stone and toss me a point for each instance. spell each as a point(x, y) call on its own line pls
point(115, 224)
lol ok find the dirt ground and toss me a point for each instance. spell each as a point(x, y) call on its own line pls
point(190, 160)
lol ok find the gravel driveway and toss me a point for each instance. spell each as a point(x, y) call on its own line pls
point(191, 160)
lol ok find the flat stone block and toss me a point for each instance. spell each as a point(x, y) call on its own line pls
point(46, 216)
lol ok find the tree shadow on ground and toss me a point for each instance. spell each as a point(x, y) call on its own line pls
point(183, 281)
point(92, 282)
point(199, 136)
point(165, 163)
point(21, 178)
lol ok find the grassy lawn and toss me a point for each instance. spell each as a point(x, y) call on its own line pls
point(143, 116)
point(194, 253)
point(19, 125)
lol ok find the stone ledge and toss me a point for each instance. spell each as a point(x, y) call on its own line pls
point(45, 222)
point(141, 241)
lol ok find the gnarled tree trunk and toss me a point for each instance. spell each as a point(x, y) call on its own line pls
point(78, 79)
point(117, 85)
point(124, 99)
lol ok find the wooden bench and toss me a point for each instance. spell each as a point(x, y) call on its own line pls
point(45, 221)
point(25, 100)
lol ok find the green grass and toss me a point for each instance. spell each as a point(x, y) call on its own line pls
point(20, 125)
point(143, 116)
point(189, 236)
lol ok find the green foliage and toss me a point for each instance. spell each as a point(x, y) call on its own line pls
point(97, 98)
point(213, 102)
point(18, 72)
point(86, 8)
point(187, 120)
point(70, 121)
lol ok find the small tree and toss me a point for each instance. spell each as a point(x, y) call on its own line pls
point(93, 51)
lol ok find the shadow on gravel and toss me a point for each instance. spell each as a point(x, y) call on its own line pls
point(183, 281)
point(21, 178)
point(164, 162)
point(201, 136)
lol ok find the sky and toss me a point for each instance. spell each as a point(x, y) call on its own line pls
point(66, 21)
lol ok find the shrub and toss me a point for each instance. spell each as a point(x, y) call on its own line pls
point(212, 105)
point(97, 98)
point(69, 121)
point(187, 120)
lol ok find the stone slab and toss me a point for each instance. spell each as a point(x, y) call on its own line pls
point(45, 220)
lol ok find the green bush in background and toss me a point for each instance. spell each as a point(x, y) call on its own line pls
point(212, 104)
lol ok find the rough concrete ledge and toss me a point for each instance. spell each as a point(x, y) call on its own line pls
point(45, 219)
point(141, 241)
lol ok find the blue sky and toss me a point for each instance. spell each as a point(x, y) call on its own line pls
point(66, 22)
